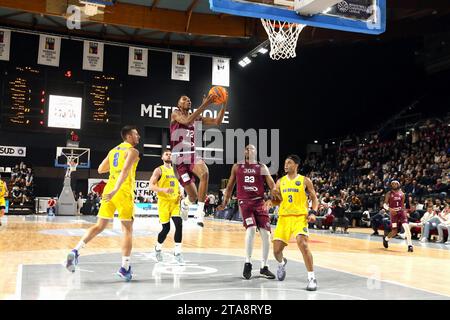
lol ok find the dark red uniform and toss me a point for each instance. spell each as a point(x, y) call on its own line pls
point(250, 194)
point(396, 204)
point(184, 159)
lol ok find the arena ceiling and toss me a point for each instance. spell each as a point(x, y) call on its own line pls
point(192, 23)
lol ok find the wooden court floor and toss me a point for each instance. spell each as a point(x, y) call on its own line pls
point(22, 242)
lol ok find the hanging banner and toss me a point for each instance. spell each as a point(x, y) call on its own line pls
point(5, 44)
point(180, 66)
point(221, 72)
point(138, 62)
point(49, 50)
point(93, 56)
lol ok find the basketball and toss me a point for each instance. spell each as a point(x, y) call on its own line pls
point(220, 93)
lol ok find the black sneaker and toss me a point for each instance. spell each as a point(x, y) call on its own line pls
point(247, 270)
point(200, 224)
point(265, 272)
point(385, 243)
point(375, 233)
point(410, 249)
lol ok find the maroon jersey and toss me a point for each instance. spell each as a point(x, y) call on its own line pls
point(250, 181)
point(184, 138)
point(396, 200)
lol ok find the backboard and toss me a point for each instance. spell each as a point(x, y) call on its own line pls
point(362, 16)
point(64, 155)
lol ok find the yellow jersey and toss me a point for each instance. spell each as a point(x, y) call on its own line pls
point(116, 162)
point(168, 180)
point(294, 198)
point(3, 188)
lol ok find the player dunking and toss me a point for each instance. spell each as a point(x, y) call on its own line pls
point(3, 195)
point(395, 202)
point(250, 177)
point(164, 182)
point(187, 164)
point(293, 217)
point(118, 194)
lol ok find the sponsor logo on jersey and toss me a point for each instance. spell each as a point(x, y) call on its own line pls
point(247, 188)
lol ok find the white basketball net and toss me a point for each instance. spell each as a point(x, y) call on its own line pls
point(283, 37)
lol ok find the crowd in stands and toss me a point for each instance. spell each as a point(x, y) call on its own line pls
point(357, 177)
point(21, 185)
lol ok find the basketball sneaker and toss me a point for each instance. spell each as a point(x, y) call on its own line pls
point(247, 270)
point(312, 285)
point(201, 224)
point(179, 259)
point(158, 254)
point(281, 272)
point(72, 260)
point(385, 243)
point(184, 210)
point(124, 274)
point(410, 249)
point(265, 272)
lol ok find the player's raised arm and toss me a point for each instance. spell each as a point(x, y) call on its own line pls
point(229, 188)
point(207, 121)
point(179, 117)
point(132, 156)
point(104, 166)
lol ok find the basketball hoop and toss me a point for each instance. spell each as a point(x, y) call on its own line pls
point(283, 37)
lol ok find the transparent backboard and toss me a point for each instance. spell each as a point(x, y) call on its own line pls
point(362, 16)
point(82, 156)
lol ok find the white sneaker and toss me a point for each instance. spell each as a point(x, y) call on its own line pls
point(184, 211)
point(179, 258)
point(448, 242)
point(200, 216)
point(312, 285)
point(158, 254)
point(424, 240)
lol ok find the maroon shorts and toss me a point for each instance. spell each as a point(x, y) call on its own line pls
point(254, 214)
point(398, 219)
point(184, 166)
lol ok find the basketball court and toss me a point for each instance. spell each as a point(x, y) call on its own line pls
point(353, 266)
point(97, 96)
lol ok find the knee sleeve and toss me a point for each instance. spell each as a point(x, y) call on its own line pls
point(178, 229)
point(164, 232)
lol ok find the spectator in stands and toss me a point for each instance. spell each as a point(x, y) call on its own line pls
point(51, 207)
point(445, 224)
point(15, 172)
point(80, 202)
point(17, 195)
point(431, 224)
point(340, 220)
point(382, 218)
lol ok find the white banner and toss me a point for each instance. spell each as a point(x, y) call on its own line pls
point(221, 72)
point(9, 151)
point(5, 44)
point(49, 50)
point(180, 66)
point(93, 56)
point(138, 62)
